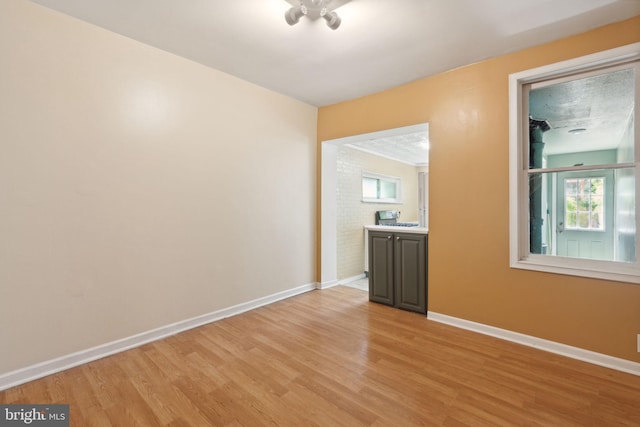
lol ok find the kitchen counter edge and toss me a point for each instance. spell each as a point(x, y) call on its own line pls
point(398, 229)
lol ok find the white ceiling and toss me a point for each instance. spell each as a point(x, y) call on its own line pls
point(380, 44)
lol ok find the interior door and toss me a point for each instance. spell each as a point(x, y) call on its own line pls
point(585, 227)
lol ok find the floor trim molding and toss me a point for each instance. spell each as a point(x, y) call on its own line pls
point(539, 343)
point(352, 279)
point(332, 283)
point(328, 284)
point(33, 372)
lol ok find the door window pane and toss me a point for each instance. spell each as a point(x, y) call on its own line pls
point(584, 203)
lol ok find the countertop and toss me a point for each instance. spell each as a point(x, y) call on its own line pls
point(398, 229)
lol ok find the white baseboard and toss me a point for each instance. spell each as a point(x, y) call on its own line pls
point(328, 284)
point(352, 279)
point(33, 372)
point(542, 344)
point(332, 283)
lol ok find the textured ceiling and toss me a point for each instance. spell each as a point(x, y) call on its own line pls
point(602, 105)
point(380, 44)
point(411, 148)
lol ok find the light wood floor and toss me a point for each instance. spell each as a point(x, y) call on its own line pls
point(331, 358)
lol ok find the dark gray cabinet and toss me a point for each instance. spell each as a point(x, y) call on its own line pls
point(381, 271)
point(398, 269)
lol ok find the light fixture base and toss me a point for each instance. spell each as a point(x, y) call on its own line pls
point(314, 13)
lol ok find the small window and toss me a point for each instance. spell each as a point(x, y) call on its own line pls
point(584, 203)
point(574, 154)
point(378, 188)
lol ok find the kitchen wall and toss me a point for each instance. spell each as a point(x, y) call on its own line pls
point(353, 214)
point(137, 188)
point(469, 274)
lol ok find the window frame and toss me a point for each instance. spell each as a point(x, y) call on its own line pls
point(519, 254)
point(396, 181)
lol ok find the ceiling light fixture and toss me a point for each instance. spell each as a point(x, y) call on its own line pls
point(577, 131)
point(313, 9)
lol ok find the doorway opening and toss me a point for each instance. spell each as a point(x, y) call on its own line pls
point(346, 162)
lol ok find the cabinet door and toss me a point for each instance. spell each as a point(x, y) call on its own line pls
point(410, 272)
point(381, 267)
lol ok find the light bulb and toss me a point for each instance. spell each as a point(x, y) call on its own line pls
point(293, 15)
point(333, 20)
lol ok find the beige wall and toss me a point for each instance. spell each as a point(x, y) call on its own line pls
point(138, 188)
point(469, 274)
point(353, 214)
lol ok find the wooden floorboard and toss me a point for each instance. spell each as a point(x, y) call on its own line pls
point(332, 358)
